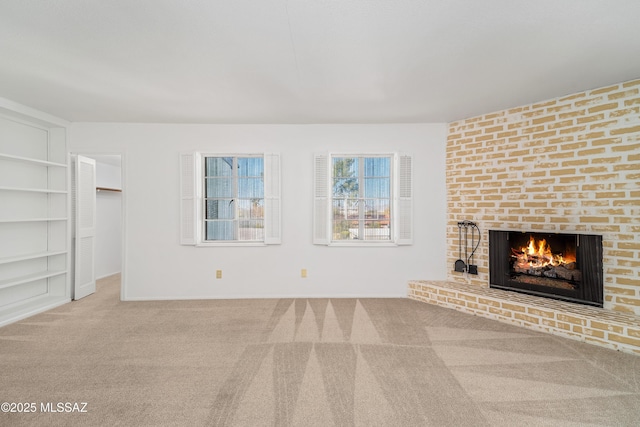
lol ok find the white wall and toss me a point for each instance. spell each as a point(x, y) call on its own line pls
point(157, 267)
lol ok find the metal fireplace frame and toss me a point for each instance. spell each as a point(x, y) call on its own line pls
point(589, 258)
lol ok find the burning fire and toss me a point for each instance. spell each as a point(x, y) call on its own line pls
point(538, 254)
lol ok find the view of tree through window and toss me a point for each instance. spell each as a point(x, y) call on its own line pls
point(234, 198)
point(361, 198)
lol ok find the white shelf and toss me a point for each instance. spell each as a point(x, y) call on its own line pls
point(32, 219)
point(30, 278)
point(33, 190)
point(30, 160)
point(25, 257)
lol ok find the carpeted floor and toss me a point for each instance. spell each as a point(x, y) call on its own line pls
point(302, 362)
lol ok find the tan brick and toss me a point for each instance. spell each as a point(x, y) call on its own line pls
point(606, 160)
point(578, 162)
point(603, 107)
point(625, 167)
point(504, 313)
point(606, 326)
point(629, 246)
point(567, 115)
point(628, 281)
point(541, 313)
point(611, 195)
point(571, 319)
point(631, 83)
point(489, 302)
point(573, 146)
point(592, 151)
point(573, 130)
point(572, 97)
point(605, 141)
point(590, 119)
point(558, 172)
point(519, 153)
point(535, 173)
point(594, 169)
point(595, 219)
point(625, 112)
point(494, 129)
point(526, 318)
point(622, 309)
point(484, 123)
point(621, 131)
point(624, 340)
point(604, 90)
point(545, 119)
point(545, 149)
point(513, 307)
point(593, 333)
point(486, 137)
point(456, 301)
point(623, 94)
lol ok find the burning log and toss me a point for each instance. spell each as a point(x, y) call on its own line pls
point(565, 273)
point(552, 272)
point(537, 260)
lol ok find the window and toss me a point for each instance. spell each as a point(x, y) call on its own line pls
point(230, 199)
point(234, 198)
point(362, 198)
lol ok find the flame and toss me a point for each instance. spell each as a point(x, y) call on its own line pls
point(539, 254)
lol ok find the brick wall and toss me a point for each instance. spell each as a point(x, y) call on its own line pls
point(570, 164)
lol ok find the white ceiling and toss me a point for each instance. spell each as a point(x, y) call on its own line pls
point(308, 61)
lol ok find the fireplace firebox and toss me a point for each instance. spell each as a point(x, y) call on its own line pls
point(553, 265)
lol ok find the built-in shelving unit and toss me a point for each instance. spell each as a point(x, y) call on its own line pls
point(34, 215)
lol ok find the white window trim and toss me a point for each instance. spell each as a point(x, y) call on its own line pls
point(191, 199)
point(402, 200)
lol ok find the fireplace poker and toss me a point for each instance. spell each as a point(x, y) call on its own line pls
point(460, 265)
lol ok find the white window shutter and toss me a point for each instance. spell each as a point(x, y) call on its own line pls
point(272, 199)
point(188, 198)
point(404, 213)
point(321, 200)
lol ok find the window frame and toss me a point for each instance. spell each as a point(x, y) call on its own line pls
point(401, 203)
point(192, 189)
point(235, 197)
point(361, 199)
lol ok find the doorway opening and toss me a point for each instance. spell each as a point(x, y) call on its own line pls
point(109, 216)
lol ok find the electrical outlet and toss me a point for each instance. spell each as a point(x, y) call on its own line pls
point(303, 273)
point(218, 274)
point(473, 269)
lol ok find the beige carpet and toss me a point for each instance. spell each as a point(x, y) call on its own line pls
point(303, 362)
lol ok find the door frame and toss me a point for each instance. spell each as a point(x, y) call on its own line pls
point(123, 270)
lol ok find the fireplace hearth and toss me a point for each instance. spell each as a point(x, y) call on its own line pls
point(554, 265)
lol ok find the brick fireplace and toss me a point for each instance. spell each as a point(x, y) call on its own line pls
point(566, 165)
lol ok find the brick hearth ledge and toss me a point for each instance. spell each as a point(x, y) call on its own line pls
point(606, 328)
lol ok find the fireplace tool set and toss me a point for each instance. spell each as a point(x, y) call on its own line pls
point(467, 265)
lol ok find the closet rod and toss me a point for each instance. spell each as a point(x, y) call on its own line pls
point(108, 189)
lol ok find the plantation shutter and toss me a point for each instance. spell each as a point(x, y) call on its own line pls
point(272, 213)
point(188, 198)
point(321, 200)
point(404, 214)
